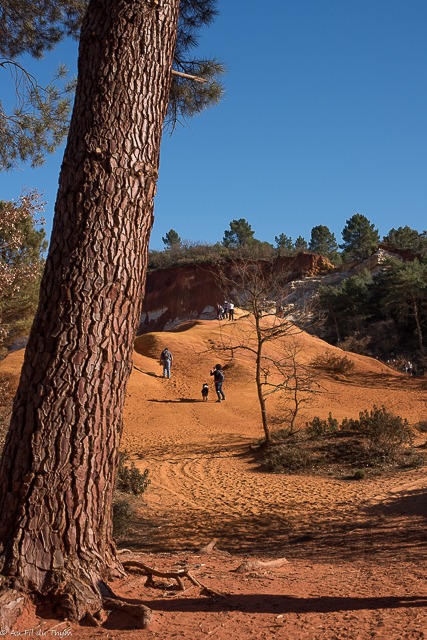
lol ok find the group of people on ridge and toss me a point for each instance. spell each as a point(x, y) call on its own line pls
point(226, 311)
point(166, 360)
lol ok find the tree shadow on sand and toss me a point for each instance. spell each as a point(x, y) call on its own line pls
point(394, 529)
point(405, 503)
point(175, 400)
point(223, 447)
point(278, 604)
point(285, 604)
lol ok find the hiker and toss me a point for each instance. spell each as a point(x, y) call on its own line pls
point(218, 375)
point(166, 360)
point(225, 310)
point(219, 311)
point(231, 310)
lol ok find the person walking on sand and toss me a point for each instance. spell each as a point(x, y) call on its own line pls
point(166, 360)
point(225, 314)
point(218, 375)
point(231, 310)
point(219, 311)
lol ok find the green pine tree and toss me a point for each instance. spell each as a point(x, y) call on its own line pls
point(407, 239)
point(360, 238)
point(323, 242)
point(238, 235)
point(171, 240)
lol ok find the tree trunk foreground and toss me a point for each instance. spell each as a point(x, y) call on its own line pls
point(58, 469)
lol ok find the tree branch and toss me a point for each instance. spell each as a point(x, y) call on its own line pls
point(188, 76)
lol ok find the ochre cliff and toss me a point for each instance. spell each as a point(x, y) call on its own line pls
point(188, 292)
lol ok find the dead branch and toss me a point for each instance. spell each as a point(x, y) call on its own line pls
point(188, 76)
point(252, 565)
point(173, 575)
point(209, 547)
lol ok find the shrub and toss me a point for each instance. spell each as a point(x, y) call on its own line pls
point(333, 363)
point(122, 515)
point(281, 434)
point(384, 431)
point(359, 474)
point(288, 458)
point(349, 424)
point(320, 427)
point(356, 344)
point(377, 440)
point(414, 460)
point(421, 426)
point(129, 478)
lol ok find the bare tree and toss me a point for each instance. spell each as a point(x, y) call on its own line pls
point(297, 383)
point(260, 288)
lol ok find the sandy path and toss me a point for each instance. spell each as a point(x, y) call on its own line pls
point(205, 482)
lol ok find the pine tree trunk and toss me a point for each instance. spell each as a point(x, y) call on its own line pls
point(58, 468)
point(418, 325)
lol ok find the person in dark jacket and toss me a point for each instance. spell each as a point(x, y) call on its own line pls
point(218, 376)
point(166, 360)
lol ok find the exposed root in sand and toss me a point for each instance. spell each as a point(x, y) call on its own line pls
point(178, 576)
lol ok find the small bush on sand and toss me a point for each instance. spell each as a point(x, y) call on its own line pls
point(333, 363)
point(378, 440)
point(384, 431)
point(421, 426)
point(129, 478)
point(359, 474)
point(319, 427)
point(288, 459)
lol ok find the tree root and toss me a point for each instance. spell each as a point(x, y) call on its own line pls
point(178, 576)
point(12, 604)
point(253, 565)
point(209, 547)
point(140, 614)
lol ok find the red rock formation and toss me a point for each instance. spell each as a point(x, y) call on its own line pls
point(189, 292)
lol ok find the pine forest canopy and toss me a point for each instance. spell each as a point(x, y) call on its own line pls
point(39, 121)
point(361, 240)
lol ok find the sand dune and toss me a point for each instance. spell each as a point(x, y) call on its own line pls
point(205, 484)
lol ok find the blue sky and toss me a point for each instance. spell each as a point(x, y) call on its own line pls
point(324, 115)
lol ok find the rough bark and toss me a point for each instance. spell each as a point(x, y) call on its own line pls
point(58, 468)
point(418, 325)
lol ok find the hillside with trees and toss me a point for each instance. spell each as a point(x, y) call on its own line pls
point(379, 310)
